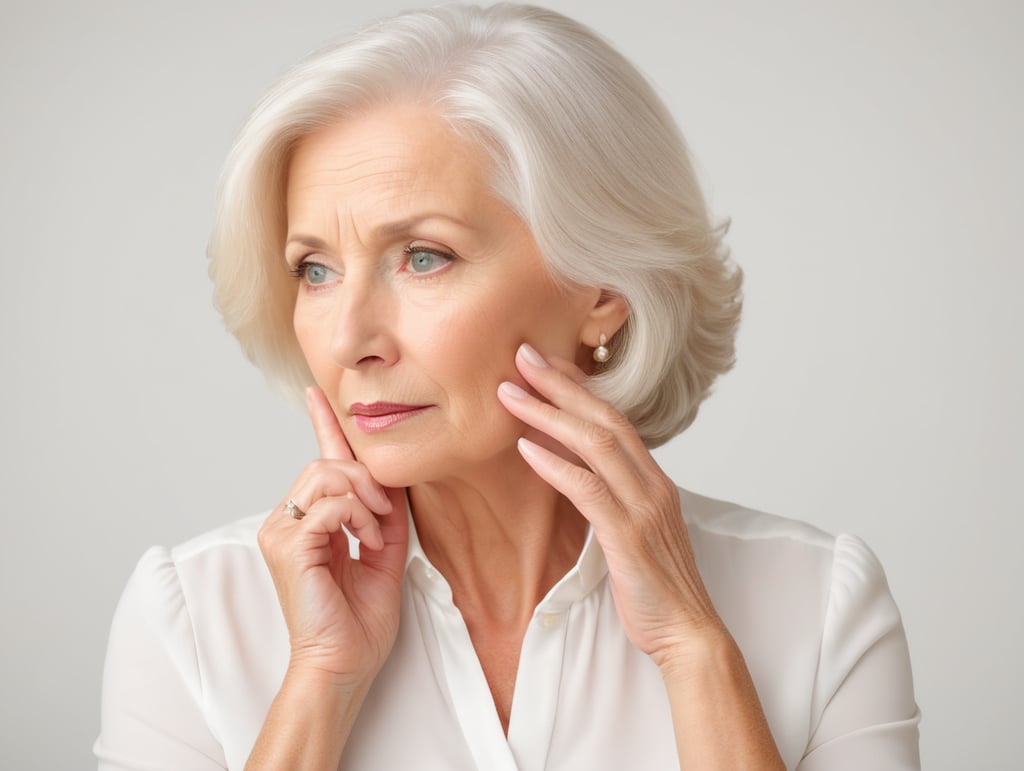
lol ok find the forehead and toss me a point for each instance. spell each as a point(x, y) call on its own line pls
point(389, 156)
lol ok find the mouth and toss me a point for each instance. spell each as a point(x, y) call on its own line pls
point(381, 415)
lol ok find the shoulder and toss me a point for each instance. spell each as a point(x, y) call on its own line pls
point(214, 581)
point(761, 567)
point(771, 545)
point(197, 649)
point(240, 533)
point(743, 550)
point(817, 624)
point(717, 519)
point(209, 604)
point(742, 538)
point(227, 548)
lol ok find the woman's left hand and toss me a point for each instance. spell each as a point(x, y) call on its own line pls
point(631, 504)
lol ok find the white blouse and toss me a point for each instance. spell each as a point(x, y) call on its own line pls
point(199, 647)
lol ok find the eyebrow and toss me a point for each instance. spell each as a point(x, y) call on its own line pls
point(311, 242)
point(386, 230)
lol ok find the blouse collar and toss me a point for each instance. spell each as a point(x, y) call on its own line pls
point(589, 570)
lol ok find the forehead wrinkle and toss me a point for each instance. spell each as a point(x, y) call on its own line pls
point(347, 158)
point(348, 176)
point(401, 196)
point(364, 174)
point(370, 182)
point(316, 159)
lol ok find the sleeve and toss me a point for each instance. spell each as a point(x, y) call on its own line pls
point(152, 706)
point(864, 693)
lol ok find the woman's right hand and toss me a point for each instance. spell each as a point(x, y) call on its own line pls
point(341, 613)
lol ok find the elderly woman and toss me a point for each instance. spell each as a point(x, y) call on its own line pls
point(473, 238)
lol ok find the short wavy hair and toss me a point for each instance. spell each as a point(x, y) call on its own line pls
point(583, 151)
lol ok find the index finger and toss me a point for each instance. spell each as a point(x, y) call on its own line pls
point(330, 437)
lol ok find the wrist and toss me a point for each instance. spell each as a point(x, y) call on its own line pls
point(697, 654)
point(309, 721)
point(310, 676)
point(716, 712)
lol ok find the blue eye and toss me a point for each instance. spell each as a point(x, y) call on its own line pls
point(422, 260)
point(313, 273)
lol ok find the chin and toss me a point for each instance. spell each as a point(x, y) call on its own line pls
point(405, 465)
point(395, 466)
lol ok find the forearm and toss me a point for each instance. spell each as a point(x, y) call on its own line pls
point(718, 720)
point(308, 724)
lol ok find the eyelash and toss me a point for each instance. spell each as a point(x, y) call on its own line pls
point(298, 272)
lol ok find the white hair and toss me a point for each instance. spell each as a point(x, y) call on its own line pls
point(584, 152)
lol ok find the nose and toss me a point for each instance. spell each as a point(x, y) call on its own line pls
point(361, 327)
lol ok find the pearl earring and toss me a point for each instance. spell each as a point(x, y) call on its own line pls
point(601, 353)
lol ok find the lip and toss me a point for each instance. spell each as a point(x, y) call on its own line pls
point(382, 415)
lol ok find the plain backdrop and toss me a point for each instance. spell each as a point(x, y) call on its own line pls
point(868, 156)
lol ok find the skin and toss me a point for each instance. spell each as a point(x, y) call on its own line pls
point(416, 285)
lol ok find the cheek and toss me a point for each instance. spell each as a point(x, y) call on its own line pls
point(483, 332)
point(466, 349)
point(480, 336)
point(309, 333)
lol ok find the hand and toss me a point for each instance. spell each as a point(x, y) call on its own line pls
point(630, 502)
point(342, 614)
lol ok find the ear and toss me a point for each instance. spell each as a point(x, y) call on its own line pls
point(606, 317)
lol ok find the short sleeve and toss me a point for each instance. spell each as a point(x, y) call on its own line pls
point(863, 698)
point(152, 711)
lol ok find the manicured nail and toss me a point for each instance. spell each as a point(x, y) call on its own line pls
point(511, 389)
point(526, 448)
point(532, 356)
point(382, 500)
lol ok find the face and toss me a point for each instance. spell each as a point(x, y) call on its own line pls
point(415, 286)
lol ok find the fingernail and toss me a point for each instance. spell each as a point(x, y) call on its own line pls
point(511, 389)
point(526, 448)
point(532, 356)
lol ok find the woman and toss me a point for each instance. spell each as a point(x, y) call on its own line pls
point(478, 234)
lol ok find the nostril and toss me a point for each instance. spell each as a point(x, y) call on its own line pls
point(369, 360)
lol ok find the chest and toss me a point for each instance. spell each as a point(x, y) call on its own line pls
point(572, 693)
point(577, 694)
point(498, 656)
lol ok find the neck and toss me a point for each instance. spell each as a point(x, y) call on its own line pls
point(500, 535)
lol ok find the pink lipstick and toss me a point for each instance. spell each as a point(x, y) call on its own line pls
point(381, 415)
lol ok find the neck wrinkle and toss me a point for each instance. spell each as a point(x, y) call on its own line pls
point(501, 544)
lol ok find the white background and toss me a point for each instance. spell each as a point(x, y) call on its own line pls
point(867, 153)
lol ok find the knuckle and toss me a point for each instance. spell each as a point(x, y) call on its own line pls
point(320, 466)
point(600, 438)
point(613, 418)
point(589, 486)
point(267, 542)
point(327, 477)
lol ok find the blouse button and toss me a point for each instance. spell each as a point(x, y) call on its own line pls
point(431, 574)
point(548, 620)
